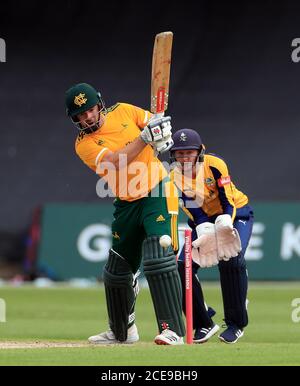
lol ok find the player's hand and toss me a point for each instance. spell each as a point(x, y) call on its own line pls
point(228, 239)
point(205, 248)
point(158, 129)
point(205, 252)
point(163, 145)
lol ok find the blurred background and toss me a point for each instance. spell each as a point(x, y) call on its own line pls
point(232, 79)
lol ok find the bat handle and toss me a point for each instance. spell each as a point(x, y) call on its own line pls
point(158, 115)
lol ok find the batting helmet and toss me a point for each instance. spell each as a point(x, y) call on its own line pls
point(187, 139)
point(80, 98)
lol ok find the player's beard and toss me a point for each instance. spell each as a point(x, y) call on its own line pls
point(95, 125)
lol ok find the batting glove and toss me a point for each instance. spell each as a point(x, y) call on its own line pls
point(163, 145)
point(157, 129)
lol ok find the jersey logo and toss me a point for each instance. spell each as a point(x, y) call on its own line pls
point(209, 181)
point(224, 181)
point(80, 100)
point(160, 218)
point(125, 125)
point(101, 142)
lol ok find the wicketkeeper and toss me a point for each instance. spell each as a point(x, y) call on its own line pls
point(119, 144)
point(222, 221)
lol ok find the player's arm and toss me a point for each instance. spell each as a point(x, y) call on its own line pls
point(155, 130)
point(219, 241)
point(152, 131)
point(128, 153)
point(224, 186)
point(153, 135)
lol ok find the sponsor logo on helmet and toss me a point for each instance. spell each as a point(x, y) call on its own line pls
point(224, 181)
point(183, 137)
point(80, 100)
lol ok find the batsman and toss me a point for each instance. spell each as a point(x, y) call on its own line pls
point(222, 220)
point(120, 144)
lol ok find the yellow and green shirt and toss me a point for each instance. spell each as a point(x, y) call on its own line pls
point(123, 123)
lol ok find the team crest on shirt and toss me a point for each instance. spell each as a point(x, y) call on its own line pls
point(101, 142)
point(209, 181)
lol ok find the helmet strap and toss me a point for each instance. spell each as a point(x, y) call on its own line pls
point(201, 154)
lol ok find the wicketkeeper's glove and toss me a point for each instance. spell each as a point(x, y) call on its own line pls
point(216, 242)
point(228, 238)
point(205, 248)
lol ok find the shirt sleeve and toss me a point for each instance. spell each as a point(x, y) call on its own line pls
point(140, 116)
point(224, 186)
point(91, 153)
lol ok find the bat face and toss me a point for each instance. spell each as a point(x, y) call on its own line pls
point(161, 63)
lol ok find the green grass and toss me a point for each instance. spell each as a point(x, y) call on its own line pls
point(71, 315)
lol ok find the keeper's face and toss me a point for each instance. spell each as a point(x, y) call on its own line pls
point(186, 156)
point(187, 160)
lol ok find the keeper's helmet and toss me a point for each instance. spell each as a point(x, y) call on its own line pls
point(187, 139)
point(80, 98)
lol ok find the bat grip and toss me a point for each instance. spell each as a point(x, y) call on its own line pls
point(158, 115)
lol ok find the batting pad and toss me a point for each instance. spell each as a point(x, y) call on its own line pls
point(120, 294)
point(161, 272)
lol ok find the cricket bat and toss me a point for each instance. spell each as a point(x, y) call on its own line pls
point(160, 79)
